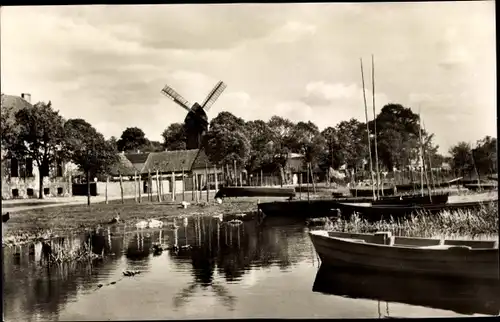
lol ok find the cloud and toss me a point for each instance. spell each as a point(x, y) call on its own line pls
point(108, 64)
point(292, 31)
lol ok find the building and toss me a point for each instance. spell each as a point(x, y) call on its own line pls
point(182, 164)
point(20, 178)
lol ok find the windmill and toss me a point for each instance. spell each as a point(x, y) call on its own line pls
point(196, 121)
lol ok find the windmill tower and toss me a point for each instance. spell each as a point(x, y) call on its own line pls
point(196, 121)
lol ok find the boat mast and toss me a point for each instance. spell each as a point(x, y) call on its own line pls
point(375, 130)
point(421, 155)
point(367, 130)
point(430, 164)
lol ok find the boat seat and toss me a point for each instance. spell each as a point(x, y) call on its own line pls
point(448, 247)
point(414, 241)
point(473, 243)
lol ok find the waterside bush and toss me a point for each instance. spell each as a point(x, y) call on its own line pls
point(446, 223)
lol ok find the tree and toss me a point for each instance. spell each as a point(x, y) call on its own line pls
point(154, 146)
point(306, 139)
point(461, 158)
point(88, 149)
point(228, 121)
point(332, 155)
point(260, 135)
point(485, 155)
point(352, 142)
point(281, 141)
point(398, 136)
point(174, 137)
point(224, 146)
point(132, 139)
point(38, 134)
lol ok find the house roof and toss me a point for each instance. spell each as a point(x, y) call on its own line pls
point(123, 166)
point(168, 161)
point(11, 104)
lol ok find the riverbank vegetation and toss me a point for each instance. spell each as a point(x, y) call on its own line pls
point(464, 223)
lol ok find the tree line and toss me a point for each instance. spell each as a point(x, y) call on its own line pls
point(40, 133)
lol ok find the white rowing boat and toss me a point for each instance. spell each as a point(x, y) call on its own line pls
point(384, 252)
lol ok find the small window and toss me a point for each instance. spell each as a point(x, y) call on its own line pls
point(15, 193)
point(30, 192)
point(46, 191)
point(14, 168)
point(44, 171)
point(29, 167)
point(59, 168)
point(59, 191)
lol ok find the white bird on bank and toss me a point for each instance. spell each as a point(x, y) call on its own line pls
point(153, 223)
point(218, 217)
point(142, 224)
point(185, 204)
point(218, 200)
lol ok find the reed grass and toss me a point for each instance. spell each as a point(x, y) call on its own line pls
point(446, 223)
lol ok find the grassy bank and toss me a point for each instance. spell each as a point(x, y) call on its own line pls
point(464, 223)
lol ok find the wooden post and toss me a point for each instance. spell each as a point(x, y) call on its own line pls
point(158, 185)
point(106, 189)
point(235, 179)
point(300, 186)
point(135, 186)
point(241, 179)
point(312, 178)
point(227, 175)
point(140, 187)
point(307, 176)
point(183, 185)
point(121, 187)
point(200, 186)
point(216, 179)
point(173, 186)
point(207, 183)
point(193, 189)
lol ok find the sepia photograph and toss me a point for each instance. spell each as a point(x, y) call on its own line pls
point(249, 160)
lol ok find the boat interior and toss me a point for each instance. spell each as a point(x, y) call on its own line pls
point(386, 238)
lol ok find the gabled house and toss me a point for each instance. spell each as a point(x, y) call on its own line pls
point(20, 177)
point(191, 163)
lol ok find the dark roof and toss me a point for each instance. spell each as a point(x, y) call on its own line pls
point(10, 104)
point(123, 166)
point(137, 158)
point(177, 161)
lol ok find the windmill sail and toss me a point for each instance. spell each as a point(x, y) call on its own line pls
point(176, 97)
point(214, 95)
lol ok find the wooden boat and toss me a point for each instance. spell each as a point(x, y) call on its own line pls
point(413, 200)
point(368, 192)
point(226, 192)
point(378, 211)
point(385, 253)
point(304, 208)
point(325, 207)
point(463, 296)
point(482, 186)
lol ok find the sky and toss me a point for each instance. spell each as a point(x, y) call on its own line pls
point(108, 64)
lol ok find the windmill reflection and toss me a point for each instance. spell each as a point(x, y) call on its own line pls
point(204, 258)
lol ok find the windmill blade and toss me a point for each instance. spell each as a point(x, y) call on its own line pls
point(176, 97)
point(214, 95)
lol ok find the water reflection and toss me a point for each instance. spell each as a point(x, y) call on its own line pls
point(241, 268)
point(458, 295)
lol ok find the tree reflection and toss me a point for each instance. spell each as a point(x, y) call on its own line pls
point(39, 290)
point(231, 249)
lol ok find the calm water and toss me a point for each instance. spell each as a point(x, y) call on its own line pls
point(245, 271)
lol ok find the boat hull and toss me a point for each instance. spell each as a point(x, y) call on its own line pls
point(454, 262)
point(305, 208)
point(377, 212)
point(226, 192)
point(464, 296)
